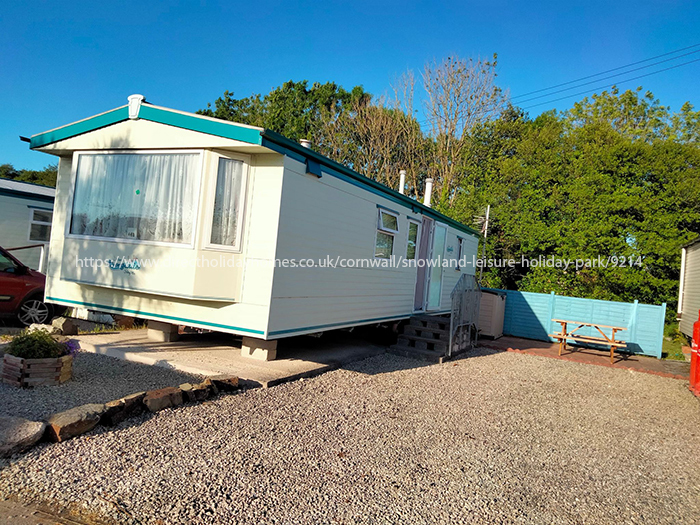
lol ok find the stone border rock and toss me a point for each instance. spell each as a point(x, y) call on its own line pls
point(82, 419)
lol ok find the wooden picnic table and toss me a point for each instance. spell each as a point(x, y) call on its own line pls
point(566, 335)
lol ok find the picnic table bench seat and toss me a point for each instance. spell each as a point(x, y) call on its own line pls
point(604, 339)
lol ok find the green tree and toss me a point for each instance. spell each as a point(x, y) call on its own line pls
point(590, 182)
point(294, 109)
point(686, 125)
point(633, 114)
point(45, 177)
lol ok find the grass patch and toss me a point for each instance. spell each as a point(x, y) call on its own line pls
point(672, 343)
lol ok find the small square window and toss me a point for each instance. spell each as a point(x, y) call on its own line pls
point(388, 222)
point(387, 227)
point(385, 245)
point(42, 216)
point(40, 225)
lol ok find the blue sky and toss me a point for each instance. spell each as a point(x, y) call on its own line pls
point(63, 61)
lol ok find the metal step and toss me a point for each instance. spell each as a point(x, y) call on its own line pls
point(423, 343)
point(416, 353)
point(422, 330)
point(427, 321)
point(426, 317)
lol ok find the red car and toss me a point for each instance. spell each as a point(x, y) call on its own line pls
point(22, 292)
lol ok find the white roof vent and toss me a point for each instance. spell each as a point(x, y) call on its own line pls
point(428, 192)
point(135, 105)
point(305, 143)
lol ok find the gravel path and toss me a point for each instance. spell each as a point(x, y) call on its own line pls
point(97, 379)
point(493, 438)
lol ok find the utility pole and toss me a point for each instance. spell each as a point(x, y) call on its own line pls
point(485, 231)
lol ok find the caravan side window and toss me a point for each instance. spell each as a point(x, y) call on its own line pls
point(460, 254)
point(40, 225)
point(227, 216)
point(387, 228)
point(412, 242)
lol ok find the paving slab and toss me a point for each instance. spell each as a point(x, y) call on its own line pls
point(216, 354)
point(637, 363)
point(15, 513)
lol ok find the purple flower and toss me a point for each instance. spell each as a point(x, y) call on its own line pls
point(72, 346)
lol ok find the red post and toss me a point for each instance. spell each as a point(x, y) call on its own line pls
point(694, 361)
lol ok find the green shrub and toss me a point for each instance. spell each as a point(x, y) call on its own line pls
point(38, 344)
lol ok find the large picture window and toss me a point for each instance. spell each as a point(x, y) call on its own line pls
point(228, 204)
point(144, 196)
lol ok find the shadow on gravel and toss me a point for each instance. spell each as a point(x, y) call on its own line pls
point(96, 379)
point(481, 351)
point(395, 363)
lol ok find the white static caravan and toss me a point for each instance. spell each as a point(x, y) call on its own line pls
point(184, 219)
point(25, 220)
point(689, 287)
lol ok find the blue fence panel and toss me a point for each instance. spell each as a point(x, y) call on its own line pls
point(527, 315)
point(530, 315)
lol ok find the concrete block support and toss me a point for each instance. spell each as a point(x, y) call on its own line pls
point(162, 332)
point(259, 349)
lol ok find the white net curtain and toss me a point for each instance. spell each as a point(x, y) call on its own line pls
point(227, 203)
point(149, 197)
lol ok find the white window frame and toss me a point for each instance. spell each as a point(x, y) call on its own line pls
point(460, 250)
point(211, 196)
point(408, 233)
point(42, 223)
point(388, 231)
point(120, 240)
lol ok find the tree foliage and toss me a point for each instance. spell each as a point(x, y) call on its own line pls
point(45, 177)
point(294, 109)
point(618, 176)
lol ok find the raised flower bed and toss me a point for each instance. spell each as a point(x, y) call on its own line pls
point(37, 359)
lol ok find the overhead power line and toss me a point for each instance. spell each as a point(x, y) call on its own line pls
point(613, 84)
point(607, 78)
point(611, 70)
point(586, 91)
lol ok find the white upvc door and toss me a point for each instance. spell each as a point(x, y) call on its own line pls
point(425, 245)
point(436, 270)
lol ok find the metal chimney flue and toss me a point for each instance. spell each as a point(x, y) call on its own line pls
point(402, 181)
point(428, 191)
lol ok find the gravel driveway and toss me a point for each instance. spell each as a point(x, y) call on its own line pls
point(491, 438)
point(96, 379)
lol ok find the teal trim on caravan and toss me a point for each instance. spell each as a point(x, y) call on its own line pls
point(78, 128)
point(106, 308)
point(221, 128)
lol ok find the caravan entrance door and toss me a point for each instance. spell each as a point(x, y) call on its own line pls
point(424, 251)
point(436, 270)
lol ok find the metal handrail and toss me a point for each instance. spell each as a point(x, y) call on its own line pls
point(464, 318)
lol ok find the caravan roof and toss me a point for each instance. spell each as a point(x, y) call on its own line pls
point(243, 133)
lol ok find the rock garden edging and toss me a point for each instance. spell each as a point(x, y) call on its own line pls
point(19, 435)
